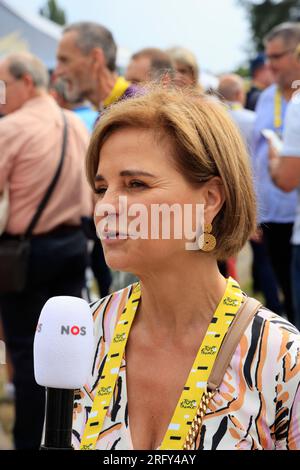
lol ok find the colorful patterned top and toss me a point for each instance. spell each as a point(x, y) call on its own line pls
point(258, 403)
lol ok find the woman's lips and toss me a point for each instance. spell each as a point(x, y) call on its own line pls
point(114, 236)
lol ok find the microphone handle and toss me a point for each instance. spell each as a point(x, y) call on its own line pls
point(59, 418)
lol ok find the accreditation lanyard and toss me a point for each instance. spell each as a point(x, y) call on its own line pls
point(117, 92)
point(235, 106)
point(196, 384)
point(277, 111)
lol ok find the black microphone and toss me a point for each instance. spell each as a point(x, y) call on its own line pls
point(58, 423)
point(63, 353)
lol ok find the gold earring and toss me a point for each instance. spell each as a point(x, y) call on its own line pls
point(207, 241)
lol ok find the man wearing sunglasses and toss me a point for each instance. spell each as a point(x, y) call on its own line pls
point(277, 209)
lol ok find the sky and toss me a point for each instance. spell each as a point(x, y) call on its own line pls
point(216, 31)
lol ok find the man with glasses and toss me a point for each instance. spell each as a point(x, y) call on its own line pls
point(285, 172)
point(277, 209)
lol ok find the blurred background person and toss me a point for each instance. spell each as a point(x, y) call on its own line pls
point(31, 136)
point(277, 208)
point(285, 172)
point(261, 78)
point(82, 108)
point(86, 62)
point(187, 72)
point(150, 64)
point(232, 90)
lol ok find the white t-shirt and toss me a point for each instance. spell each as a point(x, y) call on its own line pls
point(291, 148)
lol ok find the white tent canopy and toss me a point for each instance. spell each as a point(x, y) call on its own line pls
point(20, 31)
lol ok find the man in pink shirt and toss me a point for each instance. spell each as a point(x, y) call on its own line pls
point(31, 137)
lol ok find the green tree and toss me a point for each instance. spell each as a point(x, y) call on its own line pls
point(53, 12)
point(243, 71)
point(264, 15)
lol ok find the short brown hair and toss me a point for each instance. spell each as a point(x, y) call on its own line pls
point(187, 58)
point(92, 35)
point(288, 32)
point(22, 63)
point(205, 143)
point(160, 61)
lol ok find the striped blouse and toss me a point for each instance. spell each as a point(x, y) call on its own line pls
point(256, 407)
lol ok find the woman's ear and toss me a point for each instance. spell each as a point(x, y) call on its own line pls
point(214, 198)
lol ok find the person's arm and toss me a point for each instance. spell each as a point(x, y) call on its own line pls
point(285, 169)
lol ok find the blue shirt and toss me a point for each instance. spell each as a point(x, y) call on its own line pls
point(87, 115)
point(274, 205)
point(245, 120)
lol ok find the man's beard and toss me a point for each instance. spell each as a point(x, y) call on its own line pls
point(74, 94)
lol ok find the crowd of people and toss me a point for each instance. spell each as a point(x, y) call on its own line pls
point(45, 127)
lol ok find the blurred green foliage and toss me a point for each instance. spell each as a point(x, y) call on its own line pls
point(53, 12)
point(264, 15)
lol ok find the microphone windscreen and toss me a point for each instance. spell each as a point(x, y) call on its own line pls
point(64, 344)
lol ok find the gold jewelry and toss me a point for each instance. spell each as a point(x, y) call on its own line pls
point(191, 438)
point(207, 241)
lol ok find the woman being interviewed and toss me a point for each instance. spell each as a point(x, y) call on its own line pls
point(157, 341)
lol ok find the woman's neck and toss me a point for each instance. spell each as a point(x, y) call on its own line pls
point(179, 303)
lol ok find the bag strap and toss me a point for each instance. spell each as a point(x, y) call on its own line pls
point(52, 185)
point(231, 341)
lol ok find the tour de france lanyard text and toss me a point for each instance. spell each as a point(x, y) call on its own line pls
point(197, 380)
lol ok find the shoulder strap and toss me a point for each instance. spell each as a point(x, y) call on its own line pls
point(231, 341)
point(53, 183)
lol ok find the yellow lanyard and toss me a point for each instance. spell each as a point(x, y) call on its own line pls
point(235, 106)
point(197, 380)
point(277, 111)
point(117, 92)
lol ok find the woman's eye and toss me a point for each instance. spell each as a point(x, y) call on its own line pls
point(100, 190)
point(137, 184)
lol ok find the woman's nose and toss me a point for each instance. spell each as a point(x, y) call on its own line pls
point(111, 203)
point(106, 208)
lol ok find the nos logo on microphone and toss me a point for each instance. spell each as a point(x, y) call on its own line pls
point(67, 330)
point(73, 330)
